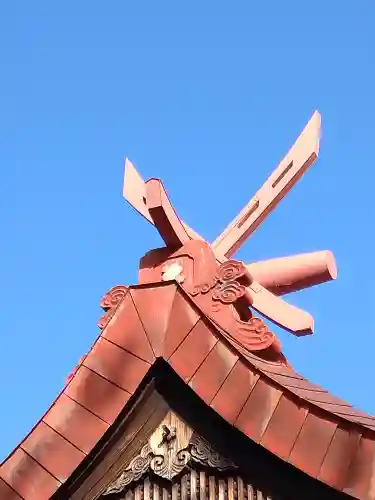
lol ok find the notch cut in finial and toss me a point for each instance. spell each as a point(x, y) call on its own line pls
point(298, 160)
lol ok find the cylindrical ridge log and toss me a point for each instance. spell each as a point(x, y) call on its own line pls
point(290, 274)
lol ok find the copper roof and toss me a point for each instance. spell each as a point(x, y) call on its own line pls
point(194, 310)
point(267, 401)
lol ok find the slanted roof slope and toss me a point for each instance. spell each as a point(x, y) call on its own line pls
point(267, 401)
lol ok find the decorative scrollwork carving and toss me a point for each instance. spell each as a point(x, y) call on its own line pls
point(228, 292)
point(110, 303)
point(232, 276)
point(164, 467)
point(170, 457)
point(137, 467)
point(252, 333)
point(222, 293)
point(255, 335)
point(229, 279)
point(205, 287)
point(233, 270)
point(202, 452)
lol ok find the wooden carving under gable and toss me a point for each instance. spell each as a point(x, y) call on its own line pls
point(172, 448)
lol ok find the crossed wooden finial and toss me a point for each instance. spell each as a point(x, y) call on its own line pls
point(271, 278)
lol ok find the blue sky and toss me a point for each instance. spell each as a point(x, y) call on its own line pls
point(208, 96)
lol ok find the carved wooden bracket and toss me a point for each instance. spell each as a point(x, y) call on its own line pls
point(170, 449)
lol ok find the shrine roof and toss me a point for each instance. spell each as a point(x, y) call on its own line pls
point(194, 313)
point(267, 401)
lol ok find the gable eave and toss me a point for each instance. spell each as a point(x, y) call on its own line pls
point(267, 402)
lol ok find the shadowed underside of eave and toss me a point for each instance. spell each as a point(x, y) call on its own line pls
point(272, 405)
point(162, 392)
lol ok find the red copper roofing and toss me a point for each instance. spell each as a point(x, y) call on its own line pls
point(266, 400)
point(194, 310)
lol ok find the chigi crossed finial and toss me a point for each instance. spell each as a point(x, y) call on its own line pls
point(267, 280)
point(188, 339)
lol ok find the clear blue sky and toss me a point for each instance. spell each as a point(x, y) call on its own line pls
point(208, 96)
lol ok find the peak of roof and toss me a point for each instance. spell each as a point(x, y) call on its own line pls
point(263, 282)
point(264, 399)
point(193, 309)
